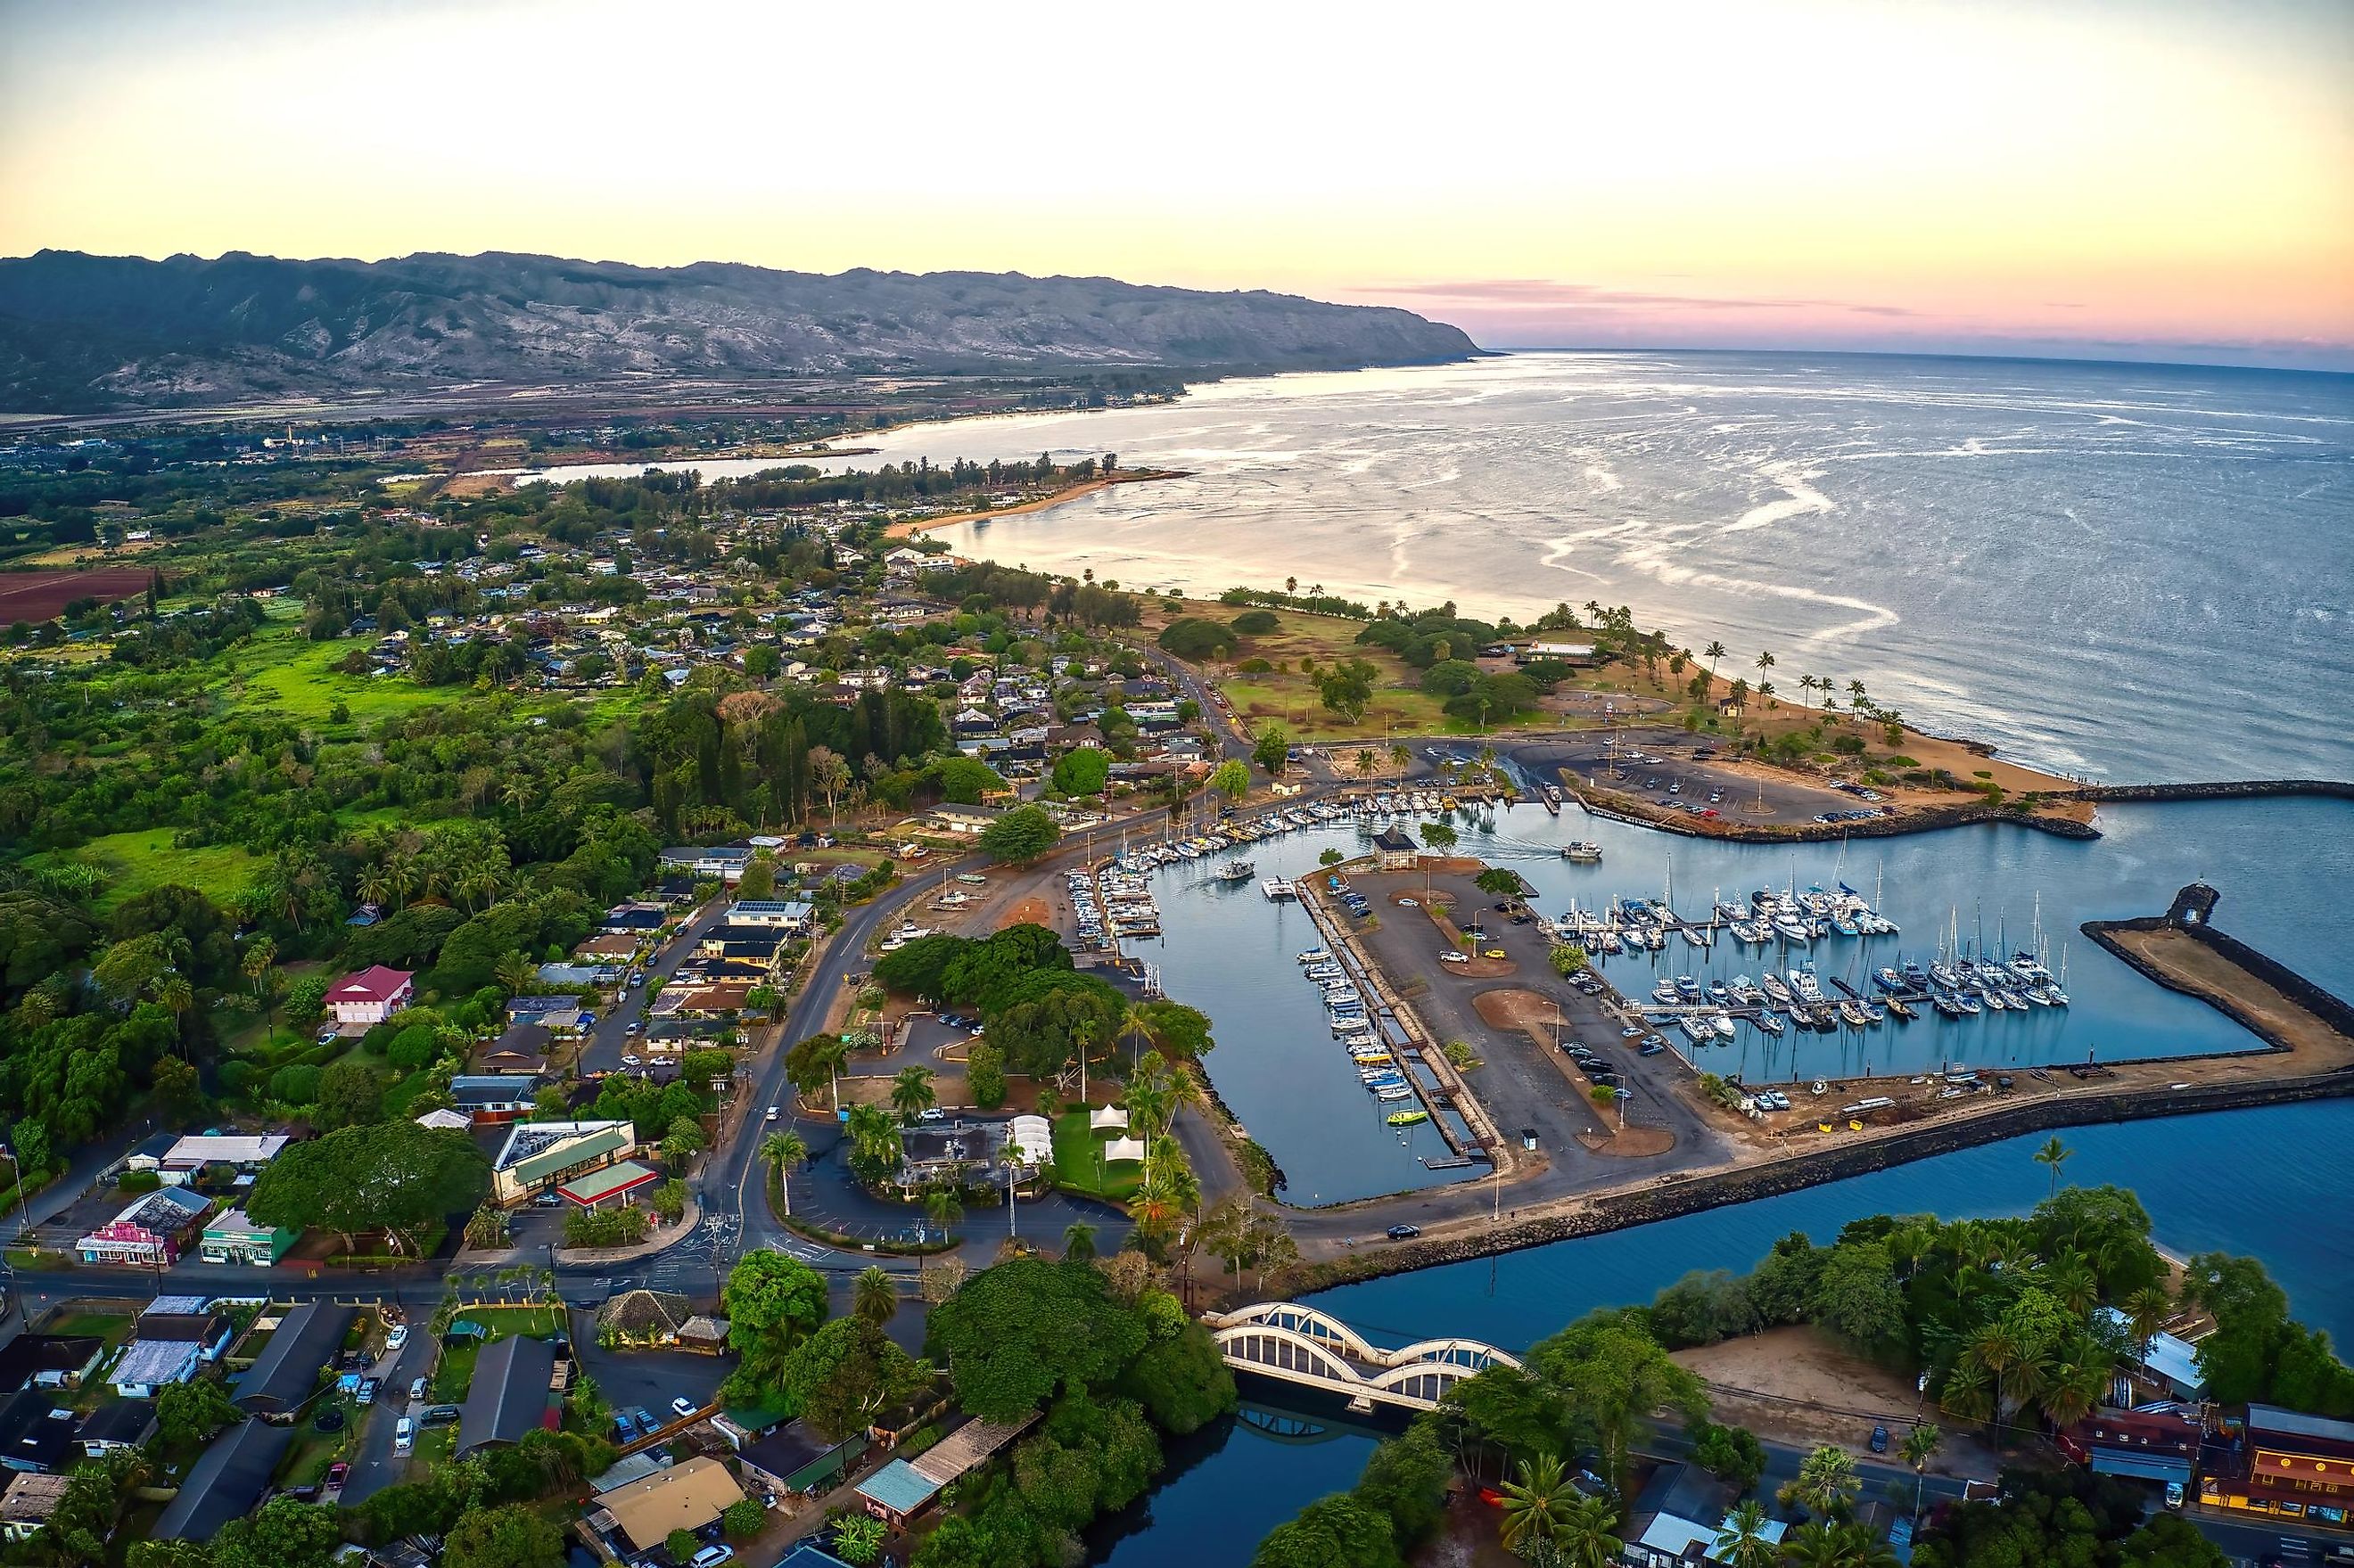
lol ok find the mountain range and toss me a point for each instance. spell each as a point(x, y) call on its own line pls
point(82, 332)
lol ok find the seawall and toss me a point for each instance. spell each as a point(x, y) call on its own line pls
point(1921, 819)
point(2223, 789)
point(1671, 1197)
point(2192, 915)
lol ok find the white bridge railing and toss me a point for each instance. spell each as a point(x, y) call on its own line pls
point(1302, 1345)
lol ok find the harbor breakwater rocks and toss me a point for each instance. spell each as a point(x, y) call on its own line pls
point(2192, 914)
point(2224, 789)
point(1920, 819)
point(1671, 1197)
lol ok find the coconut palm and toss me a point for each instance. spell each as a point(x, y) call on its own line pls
point(2051, 1156)
point(2071, 1391)
point(1537, 1504)
point(1365, 763)
point(1815, 1544)
point(1969, 1392)
point(2147, 1310)
point(373, 886)
point(1827, 1479)
point(875, 1297)
point(1079, 1241)
point(1583, 1536)
point(516, 973)
point(1401, 756)
point(782, 1150)
point(1921, 1445)
point(1764, 662)
point(912, 1093)
point(1742, 1541)
point(2071, 1281)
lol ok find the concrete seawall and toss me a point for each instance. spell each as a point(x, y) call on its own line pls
point(1672, 1198)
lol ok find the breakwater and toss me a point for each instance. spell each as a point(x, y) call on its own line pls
point(2220, 789)
point(2192, 915)
point(1672, 1197)
point(1918, 820)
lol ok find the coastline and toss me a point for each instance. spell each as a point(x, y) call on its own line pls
point(908, 528)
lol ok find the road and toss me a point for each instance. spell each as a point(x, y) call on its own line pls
point(610, 1039)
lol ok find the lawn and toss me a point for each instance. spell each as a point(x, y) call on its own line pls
point(135, 863)
point(506, 1322)
point(1077, 1167)
point(1288, 696)
point(287, 672)
point(113, 1327)
point(455, 1371)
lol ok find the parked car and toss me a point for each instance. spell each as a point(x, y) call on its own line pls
point(1879, 1439)
point(712, 1556)
point(399, 1337)
point(931, 1113)
point(625, 1427)
point(2174, 1495)
point(645, 1419)
point(404, 1436)
point(685, 1407)
point(337, 1474)
point(440, 1414)
point(417, 1388)
point(1404, 1233)
point(368, 1386)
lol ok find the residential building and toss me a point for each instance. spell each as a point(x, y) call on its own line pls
point(508, 1396)
point(228, 1480)
point(150, 1233)
point(726, 863)
point(28, 1502)
point(49, 1361)
point(117, 1424)
point(642, 1513)
point(792, 1458)
point(2161, 1446)
point(903, 1489)
point(37, 1432)
point(539, 1156)
point(495, 1099)
point(967, 820)
point(2166, 1363)
point(150, 1366)
point(233, 1236)
point(790, 915)
point(301, 1344)
point(371, 996)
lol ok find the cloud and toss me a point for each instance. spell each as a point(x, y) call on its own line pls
point(1538, 293)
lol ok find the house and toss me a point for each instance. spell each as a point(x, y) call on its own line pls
point(449, 1120)
point(37, 1432)
point(631, 923)
point(495, 1099)
point(2293, 1465)
point(49, 1361)
point(726, 863)
point(150, 1233)
point(902, 1489)
point(790, 915)
point(643, 1512)
point(809, 1554)
point(703, 999)
point(794, 1459)
point(118, 1424)
point(608, 1184)
point(560, 1014)
point(616, 947)
point(1674, 1521)
point(966, 820)
point(508, 1395)
point(2167, 1364)
point(371, 996)
point(28, 1502)
point(539, 1156)
point(644, 1317)
point(1561, 652)
point(189, 1157)
point(301, 1344)
point(150, 1366)
point(232, 1236)
point(228, 1480)
point(575, 978)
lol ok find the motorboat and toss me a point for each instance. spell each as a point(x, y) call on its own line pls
point(1722, 1023)
point(1771, 1023)
point(1406, 1117)
point(1582, 852)
point(1315, 956)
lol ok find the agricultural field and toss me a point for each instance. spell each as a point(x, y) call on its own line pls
point(42, 595)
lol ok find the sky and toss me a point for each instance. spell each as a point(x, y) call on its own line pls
point(2142, 178)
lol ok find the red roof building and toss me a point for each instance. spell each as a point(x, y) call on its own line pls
point(372, 995)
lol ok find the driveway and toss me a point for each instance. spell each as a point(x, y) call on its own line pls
point(376, 1466)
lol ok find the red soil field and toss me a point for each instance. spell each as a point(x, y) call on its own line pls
point(42, 595)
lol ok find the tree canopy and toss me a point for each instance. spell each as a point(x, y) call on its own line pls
point(395, 1177)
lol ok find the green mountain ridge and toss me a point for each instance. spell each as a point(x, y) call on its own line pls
point(82, 332)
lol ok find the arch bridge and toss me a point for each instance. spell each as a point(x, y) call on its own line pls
point(1302, 1345)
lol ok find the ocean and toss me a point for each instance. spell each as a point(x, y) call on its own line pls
point(2132, 572)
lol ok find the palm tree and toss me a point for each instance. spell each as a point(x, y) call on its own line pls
point(1815, 1544)
point(1079, 1241)
point(1764, 661)
point(2071, 1281)
point(875, 1297)
point(940, 1207)
point(2071, 1391)
point(1921, 1445)
point(1584, 1533)
point(1712, 652)
point(911, 1093)
point(1969, 1390)
point(1365, 762)
point(516, 973)
point(373, 886)
point(2051, 1156)
point(1855, 695)
point(1537, 1504)
point(782, 1150)
point(1858, 1547)
point(2147, 1310)
point(1827, 1479)
point(1401, 756)
point(1742, 1541)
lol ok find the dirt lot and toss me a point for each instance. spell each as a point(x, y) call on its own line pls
point(42, 595)
point(2192, 963)
point(1800, 1387)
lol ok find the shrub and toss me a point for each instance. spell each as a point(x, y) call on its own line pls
point(139, 1182)
point(744, 1519)
point(1197, 639)
point(1254, 666)
point(1254, 623)
point(295, 1085)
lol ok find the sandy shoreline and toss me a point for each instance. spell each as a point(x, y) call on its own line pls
point(909, 528)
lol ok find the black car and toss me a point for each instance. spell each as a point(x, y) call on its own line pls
point(1404, 1233)
point(1879, 1439)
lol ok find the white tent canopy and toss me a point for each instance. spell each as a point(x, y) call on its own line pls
point(1120, 1148)
point(1032, 1138)
point(1104, 1116)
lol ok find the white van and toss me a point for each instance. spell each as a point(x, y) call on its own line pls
point(404, 1436)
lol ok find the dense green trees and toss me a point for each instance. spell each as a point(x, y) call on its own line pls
point(395, 1177)
point(1021, 1331)
point(774, 1303)
point(2069, 1517)
point(1021, 836)
point(1196, 639)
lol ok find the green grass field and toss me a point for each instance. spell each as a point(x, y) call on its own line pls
point(137, 862)
point(1077, 1167)
point(287, 672)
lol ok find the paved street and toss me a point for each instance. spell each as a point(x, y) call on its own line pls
point(610, 1039)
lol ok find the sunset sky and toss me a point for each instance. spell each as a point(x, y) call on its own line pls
point(2141, 178)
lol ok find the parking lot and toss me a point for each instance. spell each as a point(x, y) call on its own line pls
point(1674, 771)
point(1524, 1083)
